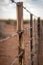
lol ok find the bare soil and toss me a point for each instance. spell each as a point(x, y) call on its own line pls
point(9, 48)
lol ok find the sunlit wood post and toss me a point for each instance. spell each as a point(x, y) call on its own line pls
point(38, 38)
point(20, 31)
point(31, 36)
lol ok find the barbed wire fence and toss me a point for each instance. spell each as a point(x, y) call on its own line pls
point(20, 31)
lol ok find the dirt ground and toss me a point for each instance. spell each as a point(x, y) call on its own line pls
point(9, 48)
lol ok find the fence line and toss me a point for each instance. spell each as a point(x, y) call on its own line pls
point(21, 50)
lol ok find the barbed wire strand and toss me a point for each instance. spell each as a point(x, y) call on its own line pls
point(20, 55)
point(17, 58)
point(13, 35)
point(26, 10)
point(29, 11)
point(23, 7)
point(16, 34)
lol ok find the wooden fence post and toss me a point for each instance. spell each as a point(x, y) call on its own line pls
point(31, 36)
point(20, 28)
point(38, 39)
point(35, 42)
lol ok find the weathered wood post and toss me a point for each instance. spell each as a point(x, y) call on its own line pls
point(35, 41)
point(31, 36)
point(20, 28)
point(38, 38)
